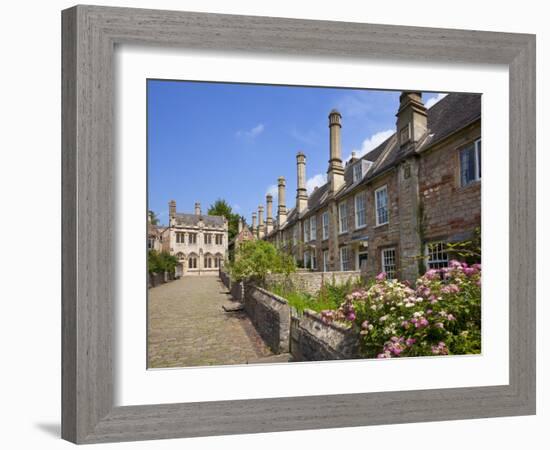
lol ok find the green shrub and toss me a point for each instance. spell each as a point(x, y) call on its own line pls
point(159, 262)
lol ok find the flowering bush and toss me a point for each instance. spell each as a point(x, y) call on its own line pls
point(441, 315)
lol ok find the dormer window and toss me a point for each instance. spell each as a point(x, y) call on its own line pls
point(357, 171)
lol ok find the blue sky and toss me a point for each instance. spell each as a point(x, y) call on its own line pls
point(218, 140)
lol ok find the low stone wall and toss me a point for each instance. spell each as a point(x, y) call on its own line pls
point(311, 282)
point(226, 279)
point(156, 279)
point(237, 291)
point(311, 339)
point(270, 315)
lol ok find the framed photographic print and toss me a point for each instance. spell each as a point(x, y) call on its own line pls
point(267, 229)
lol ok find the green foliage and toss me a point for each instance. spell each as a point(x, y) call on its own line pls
point(154, 217)
point(256, 259)
point(159, 262)
point(329, 296)
point(222, 208)
point(468, 250)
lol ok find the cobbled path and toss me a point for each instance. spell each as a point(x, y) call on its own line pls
point(188, 327)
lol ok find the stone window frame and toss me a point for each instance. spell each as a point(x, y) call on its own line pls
point(389, 262)
point(442, 256)
point(378, 208)
point(219, 237)
point(306, 259)
point(313, 228)
point(191, 238)
point(180, 237)
point(345, 263)
point(362, 194)
point(357, 253)
point(208, 238)
point(313, 260)
point(474, 145)
point(325, 223)
point(343, 218)
point(306, 230)
point(326, 257)
point(193, 261)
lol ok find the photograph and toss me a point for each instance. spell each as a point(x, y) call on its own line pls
point(296, 223)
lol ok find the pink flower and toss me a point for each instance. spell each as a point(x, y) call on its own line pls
point(439, 325)
point(365, 324)
point(431, 274)
point(469, 271)
point(350, 317)
point(381, 276)
point(410, 341)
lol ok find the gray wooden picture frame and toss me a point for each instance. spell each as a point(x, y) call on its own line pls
point(90, 34)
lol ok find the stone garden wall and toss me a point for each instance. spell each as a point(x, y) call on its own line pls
point(313, 340)
point(270, 315)
point(156, 279)
point(226, 279)
point(311, 282)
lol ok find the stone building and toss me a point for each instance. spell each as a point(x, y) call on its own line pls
point(394, 209)
point(199, 241)
point(243, 234)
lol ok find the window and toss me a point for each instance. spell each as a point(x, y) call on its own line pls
point(362, 258)
point(219, 239)
point(306, 260)
point(357, 171)
point(388, 262)
point(180, 238)
point(360, 210)
point(344, 259)
point(470, 163)
point(381, 200)
point(313, 260)
point(306, 230)
point(436, 255)
point(192, 262)
point(343, 217)
point(325, 225)
point(295, 235)
point(208, 238)
point(313, 228)
point(325, 261)
point(192, 238)
point(150, 243)
point(208, 262)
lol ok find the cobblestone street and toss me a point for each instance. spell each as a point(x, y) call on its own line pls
point(188, 327)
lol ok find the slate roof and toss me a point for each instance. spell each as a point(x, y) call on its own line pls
point(192, 220)
point(452, 113)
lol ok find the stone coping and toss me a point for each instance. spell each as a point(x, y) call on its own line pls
point(334, 325)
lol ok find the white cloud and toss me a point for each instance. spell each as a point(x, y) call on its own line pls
point(315, 181)
point(273, 190)
point(433, 100)
point(372, 142)
point(236, 207)
point(252, 133)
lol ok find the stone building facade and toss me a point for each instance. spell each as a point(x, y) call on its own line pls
point(199, 241)
point(394, 209)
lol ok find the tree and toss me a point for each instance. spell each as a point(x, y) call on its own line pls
point(154, 217)
point(159, 262)
point(222, 208)
point(256, 259)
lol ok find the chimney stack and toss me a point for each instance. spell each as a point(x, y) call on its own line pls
point(261, 228)
point(281, 213)
point(301, 191)
point(172, 208)
point(412, 118)
point(240, 224)
point(254, 229)
point(335, 168)
point(197, 209)
point(269, 218)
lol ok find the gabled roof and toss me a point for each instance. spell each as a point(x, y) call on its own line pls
point(451, 114)
point(184, 219)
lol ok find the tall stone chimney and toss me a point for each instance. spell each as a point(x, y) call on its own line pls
point(335, 168)
point(301, 191)
point(412, 118)
point(197, 209)
point(261, 228)
point(281, 213)
point(240, 227)
point(269, 213)
point(172, 208)
point(254, 228)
